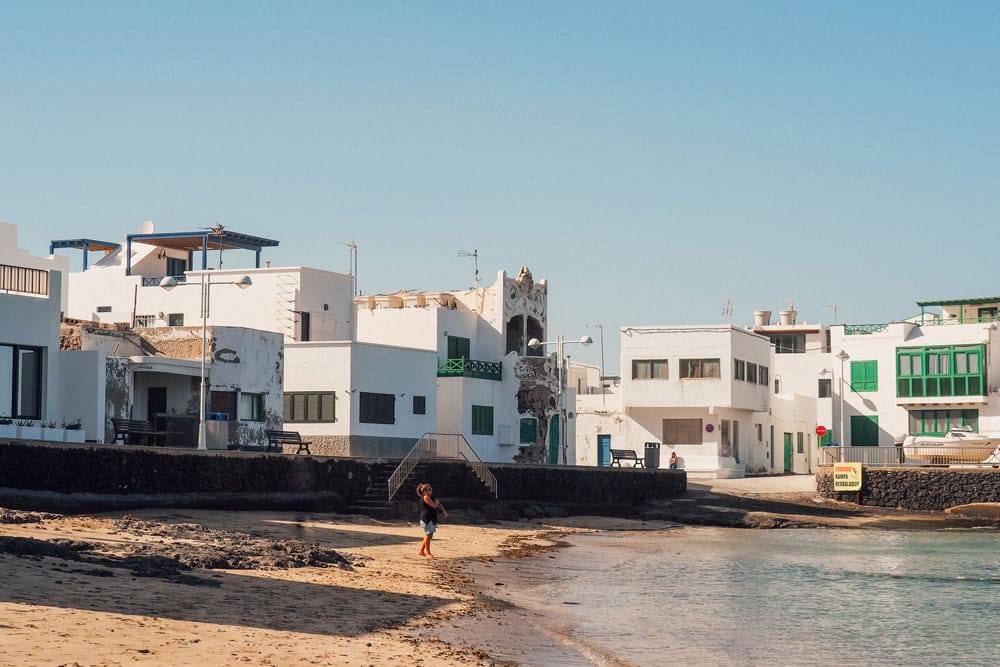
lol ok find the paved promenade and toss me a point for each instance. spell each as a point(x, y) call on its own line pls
point(757, 485)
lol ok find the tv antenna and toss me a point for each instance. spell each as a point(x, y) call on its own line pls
point(352, 265)
point(474, 254)
point(833, 307)
point(727, 310)
point(217, 230)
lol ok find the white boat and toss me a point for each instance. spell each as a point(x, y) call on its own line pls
point(955, 446)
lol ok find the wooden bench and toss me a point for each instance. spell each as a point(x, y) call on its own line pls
point(619, 455)
point(276, 440)
point(137, 432)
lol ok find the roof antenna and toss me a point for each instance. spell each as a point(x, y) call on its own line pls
point(352, 265)
point(474, 254)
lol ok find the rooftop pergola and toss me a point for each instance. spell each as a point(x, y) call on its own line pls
point(85, 245)
point(203, 240)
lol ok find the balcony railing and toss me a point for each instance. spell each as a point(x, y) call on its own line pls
point(154, 281)
point(862, 329)
point(24, 280)
point(470, 368)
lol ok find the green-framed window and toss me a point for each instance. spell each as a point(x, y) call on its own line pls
point(864, 376)
point(864, 430)
point(938, 422)
point(482, 420)
point(953, 370)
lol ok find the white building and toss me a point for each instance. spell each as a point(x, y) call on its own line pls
point(31, 299)
point(732, 401)
point(700, 391)
point(365, 376)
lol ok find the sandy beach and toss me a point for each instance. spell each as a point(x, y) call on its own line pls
point(192, 587)
point(231, 588)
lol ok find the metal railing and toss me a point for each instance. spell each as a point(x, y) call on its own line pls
point(861, 329)
point(909, 456)
point(154, 281)
point(441, 446)
point(472, 368)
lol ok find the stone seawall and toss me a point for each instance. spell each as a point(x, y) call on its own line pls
point(67, 477)
point(919, 489)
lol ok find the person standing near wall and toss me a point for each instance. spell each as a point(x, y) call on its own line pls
point(429, 508)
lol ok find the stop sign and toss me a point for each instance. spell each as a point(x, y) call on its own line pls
point(821, 430)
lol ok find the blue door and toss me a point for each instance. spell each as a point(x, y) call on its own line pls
point(603, 450)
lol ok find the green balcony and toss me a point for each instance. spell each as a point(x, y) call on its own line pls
point(469, 368)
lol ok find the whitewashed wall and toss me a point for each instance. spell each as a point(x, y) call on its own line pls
point(33, 320)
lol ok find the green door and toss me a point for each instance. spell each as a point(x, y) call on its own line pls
point(788, 452)
point(554, 439)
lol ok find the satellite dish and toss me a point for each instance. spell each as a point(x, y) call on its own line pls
point(147, 227)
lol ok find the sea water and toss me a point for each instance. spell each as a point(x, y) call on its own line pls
point(716, 596)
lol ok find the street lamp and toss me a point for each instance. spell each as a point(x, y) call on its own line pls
point(843, 356)
point(168, 283)
point(560, 344)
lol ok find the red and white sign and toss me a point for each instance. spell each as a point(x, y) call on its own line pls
point(821, 430)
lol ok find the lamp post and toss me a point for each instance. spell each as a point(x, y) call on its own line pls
point(560, 344)
point(168, 283)
point(601, 380)
point(843, 356)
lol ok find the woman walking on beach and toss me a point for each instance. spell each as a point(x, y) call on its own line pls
point(429, 507)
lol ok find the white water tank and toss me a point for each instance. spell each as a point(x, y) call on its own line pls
point(761, 318)
point(788, 317)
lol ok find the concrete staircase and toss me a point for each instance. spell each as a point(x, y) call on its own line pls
point(375, 502)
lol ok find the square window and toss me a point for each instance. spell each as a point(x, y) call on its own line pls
point(252, 407)
point(377, 408)
point(482, 420)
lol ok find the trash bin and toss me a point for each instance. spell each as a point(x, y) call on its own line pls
point(652, 455)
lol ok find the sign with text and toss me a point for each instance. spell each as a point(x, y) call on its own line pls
point(821, 430)
point(846, 477)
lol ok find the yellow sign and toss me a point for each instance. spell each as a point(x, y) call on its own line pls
point(846, 477)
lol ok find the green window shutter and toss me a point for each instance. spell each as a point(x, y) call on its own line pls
point(864, 376)
point(529, 430)
point(482, 420)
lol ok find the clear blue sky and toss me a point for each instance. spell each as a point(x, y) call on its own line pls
point(652, 160)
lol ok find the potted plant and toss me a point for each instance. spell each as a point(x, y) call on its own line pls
point(27, 429)
point(74, 430)
point(52, 431)
point(8, 429)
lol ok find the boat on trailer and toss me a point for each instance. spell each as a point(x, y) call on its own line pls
point(957, 446)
